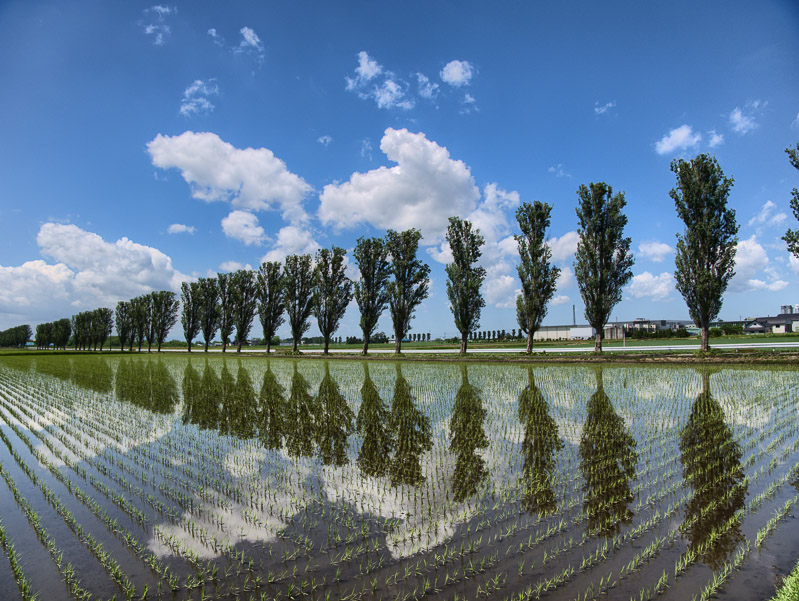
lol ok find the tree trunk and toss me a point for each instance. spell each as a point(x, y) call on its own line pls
point(327, 345)
point(464, 340)
point(365, 345)
point(224, 346)
point(294, 349)
point(238, 347)
point(530, 335)
point(189, 345)
point(206, 346)
point(705, 339)
point(598, 342)
point(149, 346)
point(398, 345)
point(268, 345)
point(159, 346)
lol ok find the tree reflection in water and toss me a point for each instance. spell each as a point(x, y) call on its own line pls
point(607, 462)
point(540, 442)
point(147, 384)
point(299, 424)
point(411, 430)
point(239, 408)
point(467, 436)
point(372, 424)
point(333, 420)
point(711, 461)
point(271, 410)
point(93, 373)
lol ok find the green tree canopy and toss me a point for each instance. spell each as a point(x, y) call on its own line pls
point(190, 296)
point(603, 263)
point(298, 286)
point(371, 292)
point(209, 309)
point(410, 284)
point(271, 299)
point(705, 257)
point(464, 277)
point(538, 277)
point(332, 291)
point(243, 303)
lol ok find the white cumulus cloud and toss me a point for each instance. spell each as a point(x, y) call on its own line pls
point(87, 272)
point(427, 89)
point(422, 190)
point(243, 226)
point(679, 138)
point(325, 140)
point(250, 43)
point(653, 287)
point(564, 247)
point(716, 139)
point(291, 240)
point(179, 228)
point(371, 81)
point(234, 266)
point(457, 73)
point(218, 39)
point(751, 265)
point(154, 23)
point(196, 98)
point(250, 178)
point(654, 250)
point(743, 119)
point(767, 217)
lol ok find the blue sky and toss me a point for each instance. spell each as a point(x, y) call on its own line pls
point(144, 144)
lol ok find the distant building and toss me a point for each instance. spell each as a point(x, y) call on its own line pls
point(786, 322)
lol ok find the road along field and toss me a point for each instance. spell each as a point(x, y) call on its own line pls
point(177, 477)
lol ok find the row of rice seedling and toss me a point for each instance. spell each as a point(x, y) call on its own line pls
point(302, 479)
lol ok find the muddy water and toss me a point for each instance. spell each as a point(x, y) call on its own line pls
point(305, 479)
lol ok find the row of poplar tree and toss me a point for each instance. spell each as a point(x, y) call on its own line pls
point(55, 333)
point(17, 336)
point(392, 276)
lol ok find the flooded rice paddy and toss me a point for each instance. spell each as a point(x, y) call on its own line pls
point(208, 478)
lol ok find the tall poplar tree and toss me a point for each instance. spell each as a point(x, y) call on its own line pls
point(124, 324)
point(225, 309)
point(165, 308)
point(792, 236)
point(537, 275)
point(332, 291)
point(410, 284)
point(102, 324)
point(190, 297)
point(705, 258)
point(140, 314)
point(244, 303)
point(603, 263)
point(209, 309)
point(271, 300)
point(298, 284)
point(464, 277)
point(371, 292)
